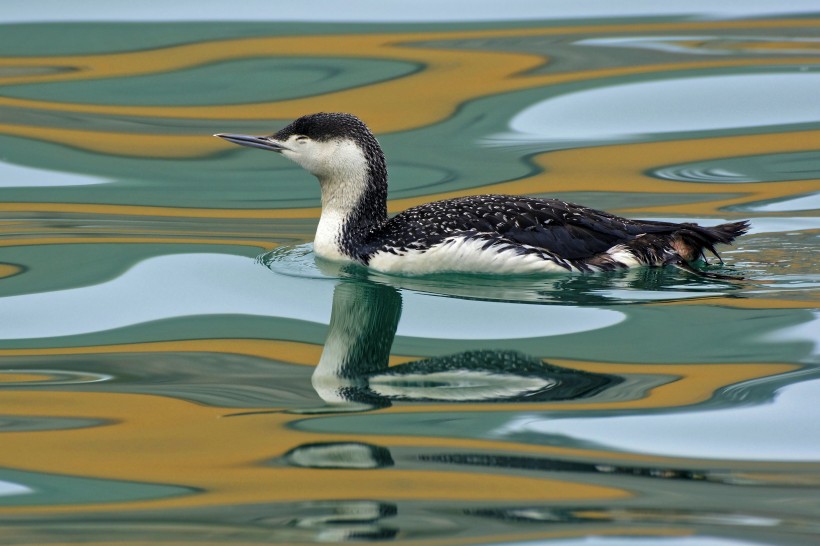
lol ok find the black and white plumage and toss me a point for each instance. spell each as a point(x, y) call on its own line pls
point(494, 234)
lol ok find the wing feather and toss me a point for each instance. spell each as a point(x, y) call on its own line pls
point(564, 230)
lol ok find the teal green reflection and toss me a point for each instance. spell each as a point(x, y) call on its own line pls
point(757, 168)
point(234, 82)
point(36, 489)
point(670, 320)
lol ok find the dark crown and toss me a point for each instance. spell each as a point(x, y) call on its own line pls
point(327, 126)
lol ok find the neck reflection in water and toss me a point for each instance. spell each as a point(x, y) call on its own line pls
point(353, 372)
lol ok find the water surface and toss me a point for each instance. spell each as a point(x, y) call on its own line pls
point(177, 367)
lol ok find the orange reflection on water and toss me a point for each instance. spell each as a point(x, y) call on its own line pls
point(678, 385)
point(162, 440)
point(450, 77)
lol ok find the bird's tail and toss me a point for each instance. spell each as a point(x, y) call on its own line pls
point(692, 240)
point(697, 238)
point(726, 233)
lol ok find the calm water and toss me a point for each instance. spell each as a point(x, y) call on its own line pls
point(176, 368)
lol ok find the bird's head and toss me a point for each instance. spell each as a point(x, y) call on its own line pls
point(328, 145)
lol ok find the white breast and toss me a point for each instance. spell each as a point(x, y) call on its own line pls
point(461, 255)
point(328, 236)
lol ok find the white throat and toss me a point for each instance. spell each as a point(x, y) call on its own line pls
point(343, 179)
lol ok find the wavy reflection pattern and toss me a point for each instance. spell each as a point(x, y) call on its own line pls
point(159, 385)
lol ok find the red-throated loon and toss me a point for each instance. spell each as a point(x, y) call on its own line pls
point(490, 234)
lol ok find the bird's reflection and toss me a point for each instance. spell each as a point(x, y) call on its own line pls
point(349, 520)
point(353, 372)
point(350, 455)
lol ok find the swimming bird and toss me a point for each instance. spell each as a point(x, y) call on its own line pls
point(489, 234)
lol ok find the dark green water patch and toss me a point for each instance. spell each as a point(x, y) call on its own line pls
point(51, 490)
point(230, 82)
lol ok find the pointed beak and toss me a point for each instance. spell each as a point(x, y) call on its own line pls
point(261, 142)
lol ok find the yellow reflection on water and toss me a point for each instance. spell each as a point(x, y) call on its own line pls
point(260, 244)
point(624, 167)
point(9, 270)
point(225, 454)
point(11, 377)
point(679, 384)
point(284, 351)
point(163, 440)
point(450, 77)
point(576, 170)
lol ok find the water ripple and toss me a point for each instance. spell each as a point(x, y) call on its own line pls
point(50, 378)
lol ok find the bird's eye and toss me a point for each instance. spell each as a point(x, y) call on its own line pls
point(301, 138)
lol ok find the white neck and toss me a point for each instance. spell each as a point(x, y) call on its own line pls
point(342, 189)
point(363, 323)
